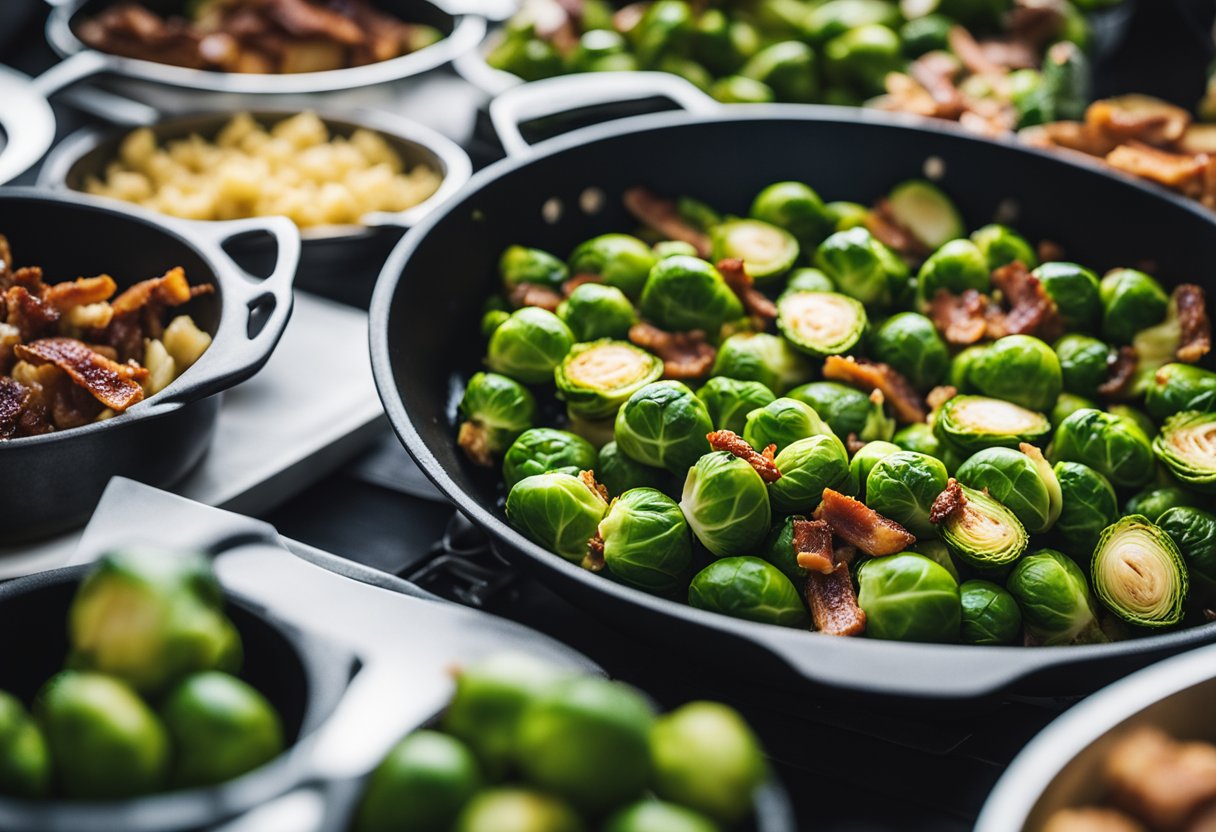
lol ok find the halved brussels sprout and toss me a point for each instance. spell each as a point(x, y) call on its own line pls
point(807, 467)
point(1088, 506)
point(541, 450)
point(1068, 404)
point(902, 486)
point(861, 266)
point(1054, 598)
point(557, 511)
point(783, 422)
point(1156, 500)
point(821, 323)
point(529, 345)
point(863, 56)
point(1083, 363)
point(664, 424)
point(846, 215)
point(595, 311)
point(788, 68)
point(1021, 480)
point(749, 588)
point(1178, 387)
point(910, 343)
point(768, 359)
point(809, 280)
point(729, 401)
point(983, 531)
point(967, 424)
point(1074, 290)
point(1019, 369)
point(908, 597)
point(918, 437)
point(766, 250)
point(796, 208)
point(671, 248)
point(1002, 246)
point(520, 264)
point(1187, 447)
point(1193, 531)
point(847, 410)
point(685, 293)
point(496, 410)
point(618, 473)
point(778, 549)
point(621, 261)
point(956, 266)
point(1131, 301)
point(646, 542)
point(1139, 574)
point(1114, 446)
point(596, 378)
point(990, 614)
point(726, 503)
point(923, 209)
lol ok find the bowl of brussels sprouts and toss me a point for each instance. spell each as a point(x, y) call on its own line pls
point(960, 419)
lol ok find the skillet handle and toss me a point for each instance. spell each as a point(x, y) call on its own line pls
point(84, 64)
point(569, 92)
point(115, 109)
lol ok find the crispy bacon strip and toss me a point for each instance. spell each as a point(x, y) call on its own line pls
point(13, 398)
point(80, 292)
point(833, 604)
point(1031, 311)
point(1174, 170)
point(961, 319)
point(969, 51)
point(660, 214)
point(684, 354)
point(114, 385)
point(813, 546)
point(741, 283)
point(589, 480)
point(882, 223)
point(1120, 371)
point(578, 280)
point(948, 502)
point(1196, 339)
point(170, 289)
point(761, 461)
point(861, 526)
point(937, 73)
point(532, 294)
point(873, 375)
point(29, 314)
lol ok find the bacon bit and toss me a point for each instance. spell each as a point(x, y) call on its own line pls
point(472, 439)
point(28, 313)
point(906, 95)
point(1196, 340)
point(114, 385)
point(1010, 53)
point(31, 278)
point(80, 292)
point(813, 546)
point(741, 283)
point(731, 442)
point(171, 289)
point(684, 354)
point(1174, 170)
point(6, 255)
point(969, 51)
point(861, 526)
point(13, 398)
point(939, 395)
point(1119, 373)
point(873, 375)
point(578, 280)
point(947, 503)
point(852, 443)
point(834, 608)
point(1138, 117)
point(533, 294)
point(661, 215)
point(937, 72)
point(593, 561)
point(1209, 614)
point(845, 554)
point(1049, 251)
point(627, 17)
point(882, 223)
point(961, 319)
point(1031, 309)
point(589, 480)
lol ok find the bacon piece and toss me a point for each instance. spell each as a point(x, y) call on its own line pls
point(594, 561)
point(852, 444)
point(170, 289)
point(31, 278)
point(761, 461)
point(578, 280)
point(873, 375)
point(1010, 53)
point(589, 480)
point(80, 292)
point(1139, 118)
point(1160, 779)
point(845, 554)
point(684, 354)
point(937, 73)
point(813, 546)
point(114, 385)
point(1196, 340)
point(660, 214)
point(833, 604)
point(939, 395)
point(1174, 170)
point(1119, 373)
point(474, 441)
point(304, 19)
point(861, 526)
point(969, 51)
point(28, 313)
point(741, 283)
point(947, 503)
point(6, 254)
point(961, 319)
point(1031, 311)
point(533, 294)
point(14, 396)
point(882, 223)
point(1049, 251)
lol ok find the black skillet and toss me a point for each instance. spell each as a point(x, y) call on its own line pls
point(425, 342)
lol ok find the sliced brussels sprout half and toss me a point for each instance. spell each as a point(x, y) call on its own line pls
point(908, 597)
point(783, 422)
point(726, 504)
point(1179, 387)
point(847, 409)
point(1022, 480)
point(557, 511)
point(1019, 369)
point(729, 401)
point(807, 467)
point(529, 345)
point(1074, 290)
point(496, 410)
point(1186, 446)
point(821, 323)
point(621, 261)
point(664, 424)
point(1002, 246)
point(902, 486)
point(796, 208)
point(646, 541)
point(1054, 598)
point(768, 359)
point(520, 264)
point(983, 531)
point(686, 293)
point(923, 209)
point(540, 450)
point(910, 343)
point(748, 588)
point(1113, 445)
point(766, 250)
point(1139, 574)
point(967, 424)
point(1193, 531)
point(596, 378)
point(594, 311)
point(990, 614)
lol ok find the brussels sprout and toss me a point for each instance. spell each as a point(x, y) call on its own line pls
point(966, 424)
point(519, 264)
point(517, 810)
point(930, 33)
point(957, 266)
point(807, 467)
point(666, 28)
point(657, 816)
point(821, 323)
point(749, 588)
point(25, 762)
point(847, 410)
point(909, 342)
point(1193, 531)
point(1019, 369)
point(923, 209)
point(862, 57)
point(496, 410)
point(492, 320)
point(621, 261)
point(422, 785)
point(1002, 245)
point(646, 542)
point(726, 503)
point(558, 511)
point(1139, 574)
point(903, 486)
point(788, 68)
point(960, 367)
point(1083, 363)
point(836, 17)
point(768, 359)
point(596, 378)
point(593, 46)
point(685, 293)
point(984, 532)
point(778, 549)
point(1156, 346)
point(541, 450)
point(765, 249)
point(809, 280)
point(782, 422)
point(1088, 506)
point(1054, 598)
point(664, 423)
point(696, 213)
point(529, 345)
point(618, 473)
point(796, 208)
point(735, 89)
point(861, 266)
point(526, 56)
point(1068, 404)
point(937, 552)
point(594, 311)
point(908, 597)
point(1187, 447)
point(105, 742)
point(1131, 301)
point(1074, 290)
point(1114, 446)
point(1023, 482)
point(990, 614)
point(1178, 387)
point(729, 401)
point(918, 437)
point(580, 729)
point(863, 463)
point(671, 248)
point(846, 215)
point(687, 69)
point(706, 757)
point(149, 617)
point(1156, 500)
point(718, 44)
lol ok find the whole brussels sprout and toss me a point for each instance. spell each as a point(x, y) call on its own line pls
point(863, 56)
point(788, 68)
point(658, 816)
point(726, 503)
point(1087, 507)
point(618, 473)
point(1139, 574)
point(25, 762)
point(685, 293)
point(863, 463)
point(922, 208)
point(557, 511)
point(937, 552)
point(1002, 245)
point(1131, 301)
point(1178, 387)
point(422, 784)
point(526, 56)
point(930, 33)
point(496, 410)
point(1113, 446)
point(1156, 500)
point(492, 320)
point(967, 424)
point(778, 549)
point(846, 215)
point(729, 401)
point(664, 423)
point(507, 809)
point(957, 266)
point(821, 323)
point(847, 410)
point(1019, 369)
point(541, 450)
point(983, 531)
point(1137, 417)
point(902, 486)
point(594, 46)
point(861, 266)
point(990, 614)
point(671, 248)
point(621, 261)
point(706, 757)
point(960, 368)
point(909, 342)
point(766, 250)
point(735, 89)
point(723, 44)
point(1083, 363)
point(1068, 404)
point(782, 422)
point(666, 28)
point(809, 280)
point(748, 588)
point(768, 359)
point(807, 467)
point(1054, 598)
point(596, 378)
point(1022, 481)
point(1193, 531)
point(918, 437)
point(1186, 446)
point(908, 597)
point(520, 264)
point(836, 17)
point(529, 345)
point(795, 207)
point(697, 213)
point(646, 542)
point(594, 311)
point(1074, 290)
